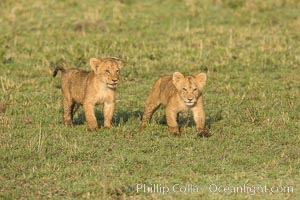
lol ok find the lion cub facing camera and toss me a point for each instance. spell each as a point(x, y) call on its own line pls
point(178, 93)
point(89, 89)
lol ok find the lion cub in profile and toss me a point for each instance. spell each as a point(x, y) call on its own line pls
point(89, 89)
point(178, 93)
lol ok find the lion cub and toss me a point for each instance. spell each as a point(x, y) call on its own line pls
point(90, 89)
point(178, 93)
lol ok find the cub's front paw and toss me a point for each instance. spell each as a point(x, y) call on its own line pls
point(107, 127)
point(203, 132)
point(93, 128)
point(174, 131)
point(143, 126)
point(68, 123)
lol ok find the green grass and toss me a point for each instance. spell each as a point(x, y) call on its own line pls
point(249, 50)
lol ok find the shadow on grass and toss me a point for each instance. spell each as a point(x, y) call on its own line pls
point(189, 121)
point(119, 118)
point(122, 118)
point(213, 119)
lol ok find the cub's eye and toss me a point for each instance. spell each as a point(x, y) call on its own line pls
point(184, 89)
point(107, 71)
point(118, 71)
point(195, 89)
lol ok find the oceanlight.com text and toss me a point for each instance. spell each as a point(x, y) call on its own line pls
point(250, 189)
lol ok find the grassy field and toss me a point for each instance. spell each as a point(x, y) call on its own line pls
point(250, 50)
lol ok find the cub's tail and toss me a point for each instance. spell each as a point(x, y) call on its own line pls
point(58, 69)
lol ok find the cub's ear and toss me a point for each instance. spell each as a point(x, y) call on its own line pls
point(201, 80)
point(94, 62)
point(177, 77)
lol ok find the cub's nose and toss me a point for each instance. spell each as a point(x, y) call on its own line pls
point(115, 80)
point(190, 99)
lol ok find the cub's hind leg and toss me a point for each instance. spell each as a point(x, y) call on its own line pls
point(152, 104)
point(150, 108)
point(67, 107)
point(67, 101)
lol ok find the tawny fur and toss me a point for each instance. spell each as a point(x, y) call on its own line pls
point(87, 89)
point(178, 93)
